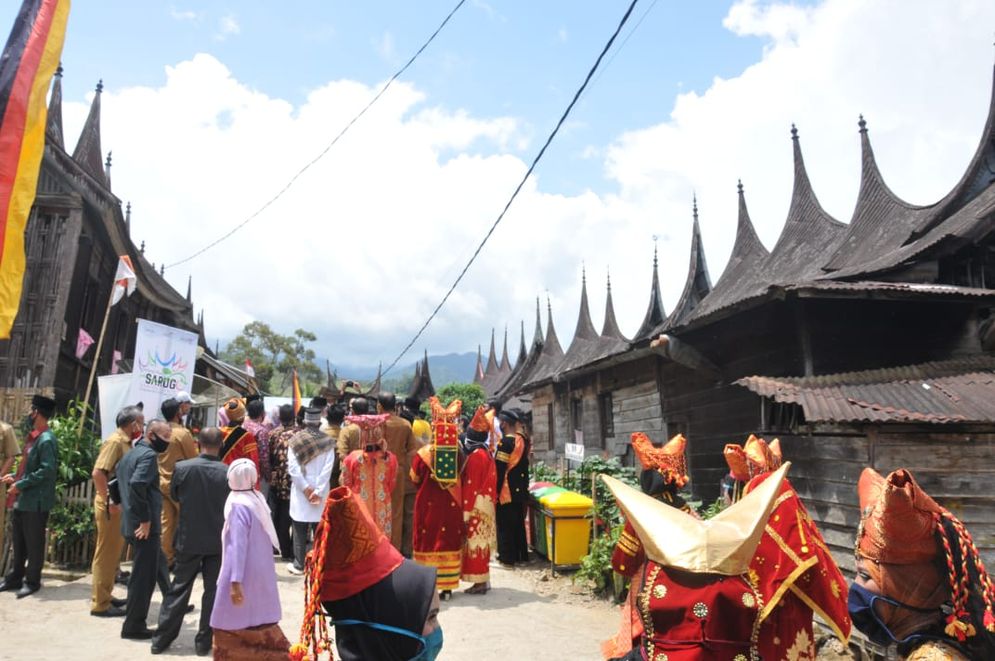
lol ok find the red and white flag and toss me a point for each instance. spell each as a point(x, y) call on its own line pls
point(83, 342)
point(125, 280)
point(249, 369)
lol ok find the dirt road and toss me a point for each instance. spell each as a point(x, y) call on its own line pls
point(525, 616)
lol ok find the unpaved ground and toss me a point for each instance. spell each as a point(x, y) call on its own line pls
point(527, 615)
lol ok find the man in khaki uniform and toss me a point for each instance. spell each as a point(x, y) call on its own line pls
point(181, 446)
point(400, 440)
point(110, 542)
point(9, 450)
point(348, 439)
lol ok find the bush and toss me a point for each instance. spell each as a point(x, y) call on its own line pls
point(78, 449)
point(471, 394)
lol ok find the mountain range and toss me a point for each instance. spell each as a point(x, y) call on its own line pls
point(446, 368)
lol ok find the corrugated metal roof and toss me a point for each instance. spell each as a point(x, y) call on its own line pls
point(958, 390)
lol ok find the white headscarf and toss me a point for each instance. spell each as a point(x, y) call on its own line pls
point(242, 477)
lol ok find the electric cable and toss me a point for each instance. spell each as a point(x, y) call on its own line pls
point(518, 188)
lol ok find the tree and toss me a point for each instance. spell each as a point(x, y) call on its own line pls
point(471, 394)
point(274, 356)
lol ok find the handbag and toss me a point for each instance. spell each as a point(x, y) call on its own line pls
point(113, 492)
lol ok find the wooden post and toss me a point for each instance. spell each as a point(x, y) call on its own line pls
point(96, 359)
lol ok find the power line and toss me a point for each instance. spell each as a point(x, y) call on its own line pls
point(321, 155)
point(518, 188)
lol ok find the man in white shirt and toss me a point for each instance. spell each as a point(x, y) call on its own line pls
point(310, 460)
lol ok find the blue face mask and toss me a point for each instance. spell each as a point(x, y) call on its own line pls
point(860, 604)
point(431, 644)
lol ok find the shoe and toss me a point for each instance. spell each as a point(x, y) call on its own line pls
point(446, 595)
point(292, 568)
point(5, 586)
point(140, 634)
point(26, 590)
point(159, 647)
point(189, 609)
point(113, 611)
point(120, 603)
point(202, 649)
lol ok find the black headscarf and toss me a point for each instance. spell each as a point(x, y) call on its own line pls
point(401, 600)
point(653, 484)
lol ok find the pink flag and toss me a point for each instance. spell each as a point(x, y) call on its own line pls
point(83, 342)
point(114, 360)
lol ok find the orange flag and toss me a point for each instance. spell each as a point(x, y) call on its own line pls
point(297, 393)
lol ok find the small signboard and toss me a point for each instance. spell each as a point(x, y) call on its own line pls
point(574, 451)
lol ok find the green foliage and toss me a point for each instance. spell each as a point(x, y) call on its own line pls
point(78, 447)
point(275, 356)
point(714, 508)
point(595, 568)
point(471, 394)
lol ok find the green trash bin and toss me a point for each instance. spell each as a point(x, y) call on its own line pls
point(538, 519)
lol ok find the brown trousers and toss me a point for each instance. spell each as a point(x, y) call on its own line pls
point(106, 556)
point(170, 518)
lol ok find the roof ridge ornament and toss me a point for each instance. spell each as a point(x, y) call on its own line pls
point(862, 124)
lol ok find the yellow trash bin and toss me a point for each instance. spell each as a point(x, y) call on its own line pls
point(568, 528)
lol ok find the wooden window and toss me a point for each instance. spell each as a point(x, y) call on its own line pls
point(577, 415)
point(607, 416)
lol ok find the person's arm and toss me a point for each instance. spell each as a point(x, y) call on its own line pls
point(179, 476)
point(10, 449)
point(188, 445)
point(417, 468)
point(236, 544)
point(294, 471)
point(47, 465)
point(324, 477)
point(167, 462)
point(140, 500)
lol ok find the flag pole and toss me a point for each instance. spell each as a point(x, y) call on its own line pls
point(96, 359)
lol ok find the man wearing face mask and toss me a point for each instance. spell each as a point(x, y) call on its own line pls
point(384, 607)
point(110, 542)
point(920, 581)
point(141, 511)
point(31, 491)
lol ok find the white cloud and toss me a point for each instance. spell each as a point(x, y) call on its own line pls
point(184, 14)
point(227, 26)
point(385, 47)
point(365, 244)
point(561, 35)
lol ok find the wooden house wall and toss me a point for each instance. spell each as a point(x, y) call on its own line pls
point(955, 468)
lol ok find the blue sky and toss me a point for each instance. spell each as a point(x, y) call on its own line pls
point(210, 107)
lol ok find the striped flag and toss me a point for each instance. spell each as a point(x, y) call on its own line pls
point(297, 393)
point(29, 59)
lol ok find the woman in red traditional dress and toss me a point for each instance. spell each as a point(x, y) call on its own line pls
point(438, 529)
point(372, 470)
point(479, 486)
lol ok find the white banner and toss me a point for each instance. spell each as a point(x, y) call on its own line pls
point(164, 365)
point(574, 451)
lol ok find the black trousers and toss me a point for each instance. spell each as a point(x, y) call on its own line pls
point(27, 532)
point(512, 545)
point(301, 531)
point(174, 605)
point(142, 583)
point(282, 523)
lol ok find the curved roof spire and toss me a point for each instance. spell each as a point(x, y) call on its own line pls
point(655, 314)
point(53, 123)
point(979, 175)
point(610, 328)
point(478, 371)
point(698, 284)
point(881, 221)
point(88, 153)
point(525, 368)
point(583, 346)
point(740, 277)
point(522, 351)
point(809, 237)
point(505, 365)
point(492, 363)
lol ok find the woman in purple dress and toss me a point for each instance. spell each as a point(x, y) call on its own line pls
point(246, 611)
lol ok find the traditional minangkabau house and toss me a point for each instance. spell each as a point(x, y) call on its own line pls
point(857, 344)
point(75, 233)
point(422, 387)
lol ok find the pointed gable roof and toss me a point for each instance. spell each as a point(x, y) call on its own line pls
point(503, 369)
point(698, 284)
point(53, 123)
point(422, 387)
point(584, 345)
point(505, 365)
point(522, 351)
point(881, 221)
point(551, 355)
point(87, 152)
point(741, 274)
point(655, 314)
point(611, 342)
point(478, 372)
point(524, 369)
point(980, 175)
point(809, 234)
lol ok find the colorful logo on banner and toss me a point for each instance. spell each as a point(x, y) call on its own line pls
point(163, 365)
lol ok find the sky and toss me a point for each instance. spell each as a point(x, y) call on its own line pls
point(211, 107)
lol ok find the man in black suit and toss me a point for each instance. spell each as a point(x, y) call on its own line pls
point(200, 486)
point(141, 509)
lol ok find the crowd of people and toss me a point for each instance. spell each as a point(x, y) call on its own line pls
point(384, 517)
